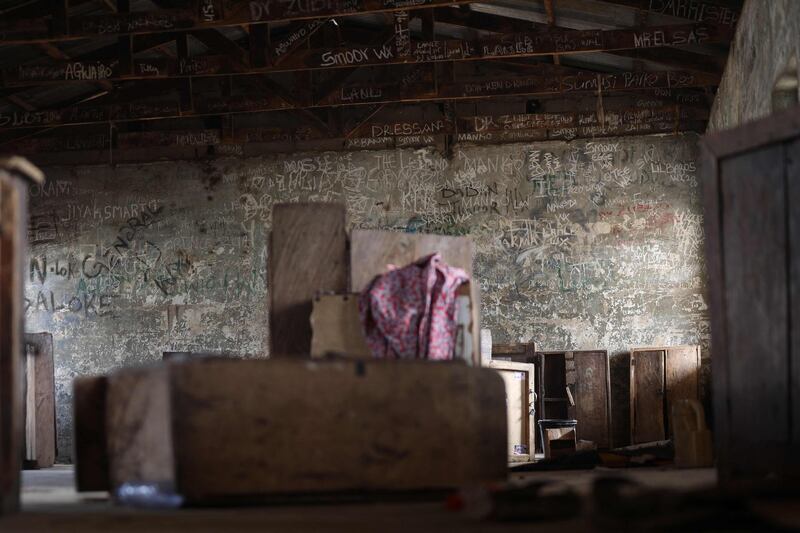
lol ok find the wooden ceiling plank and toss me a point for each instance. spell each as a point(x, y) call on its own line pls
point(240, 13)
point(502, 46)
point(366, 95)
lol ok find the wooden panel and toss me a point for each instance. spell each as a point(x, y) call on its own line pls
point(40, 413)
point(139, 435)
point(371, 251)
point(521, 353)
point(793, 201)
point(12, 248)
point(519, 381)
point(516, 412)
point(308, 254)
point(682, 376)
point(754, 229)
point(716, 286)
point(89, 445)
point(336, 327)
point(593, 397)
point(647, 396)
point(248, 428)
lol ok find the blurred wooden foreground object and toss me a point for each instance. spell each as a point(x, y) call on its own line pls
point(15, 173)
point(217, 431)
point(752, 217)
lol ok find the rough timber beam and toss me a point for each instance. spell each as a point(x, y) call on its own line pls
point(237, 13)
point(504, 46)
point(365, 95)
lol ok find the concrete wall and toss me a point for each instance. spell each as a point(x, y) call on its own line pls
point(767, 37)
point(581, 245)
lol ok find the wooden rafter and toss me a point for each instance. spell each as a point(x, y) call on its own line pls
point(517, 45)
point(239, 13)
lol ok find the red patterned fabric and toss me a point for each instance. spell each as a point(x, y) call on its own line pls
point(409, 313)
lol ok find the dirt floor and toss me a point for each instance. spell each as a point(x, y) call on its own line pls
point(51, 505)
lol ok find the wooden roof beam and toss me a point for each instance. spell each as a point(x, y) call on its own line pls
point(512, 46)
point(365, 95)
point(240, 13)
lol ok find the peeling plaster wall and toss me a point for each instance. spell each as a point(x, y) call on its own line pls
point(580, 245)
point(767, 37)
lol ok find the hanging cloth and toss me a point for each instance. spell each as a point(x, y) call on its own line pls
point(410, 312)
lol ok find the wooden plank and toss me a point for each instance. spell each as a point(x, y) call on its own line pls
point(168, 20)
point(762, 132)
point(247, 429)
point(11, 407)
point(367, 95)
point(682, 376)
point(519, 379)
point(756, 291)
point(165, 20)
point(501, 46)
point(714, 12)
point(308, 254)
point(716, 291)
point(139, 436)
point(40, 423)
point(647, 396)
point(336, 327)
point(593, 397)
point(89, 444)
point(13, 244)
point(792, 201)
point(520, 353)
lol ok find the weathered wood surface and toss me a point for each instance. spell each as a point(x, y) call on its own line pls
point(519, 379)
point(206, 15)
point(248, 429)
point(682, 376)
point(751, 194)
point(90, 451)
point(518, 353)
point(394, 93)
point(139, 434)
point(592, 397)
point(793, 200)
point(13, 249)
point(12, 199)
point(308, 255)
point(336, 327)
point(647, 396)
point(371, 251)
point(756, 308)
point(40, 411)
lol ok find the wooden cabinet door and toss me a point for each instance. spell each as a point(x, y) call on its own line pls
point(647, 396)
point(592, 397)
point(754, 224)
point(682, 366)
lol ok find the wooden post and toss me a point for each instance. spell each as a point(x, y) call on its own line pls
point(13, 241)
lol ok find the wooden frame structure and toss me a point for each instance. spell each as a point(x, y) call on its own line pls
point(353, 72)
point(659, 375)
point(752, 173)
point(519, 378)
point(40, 401)
point(14, 174)
point(576, 384)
